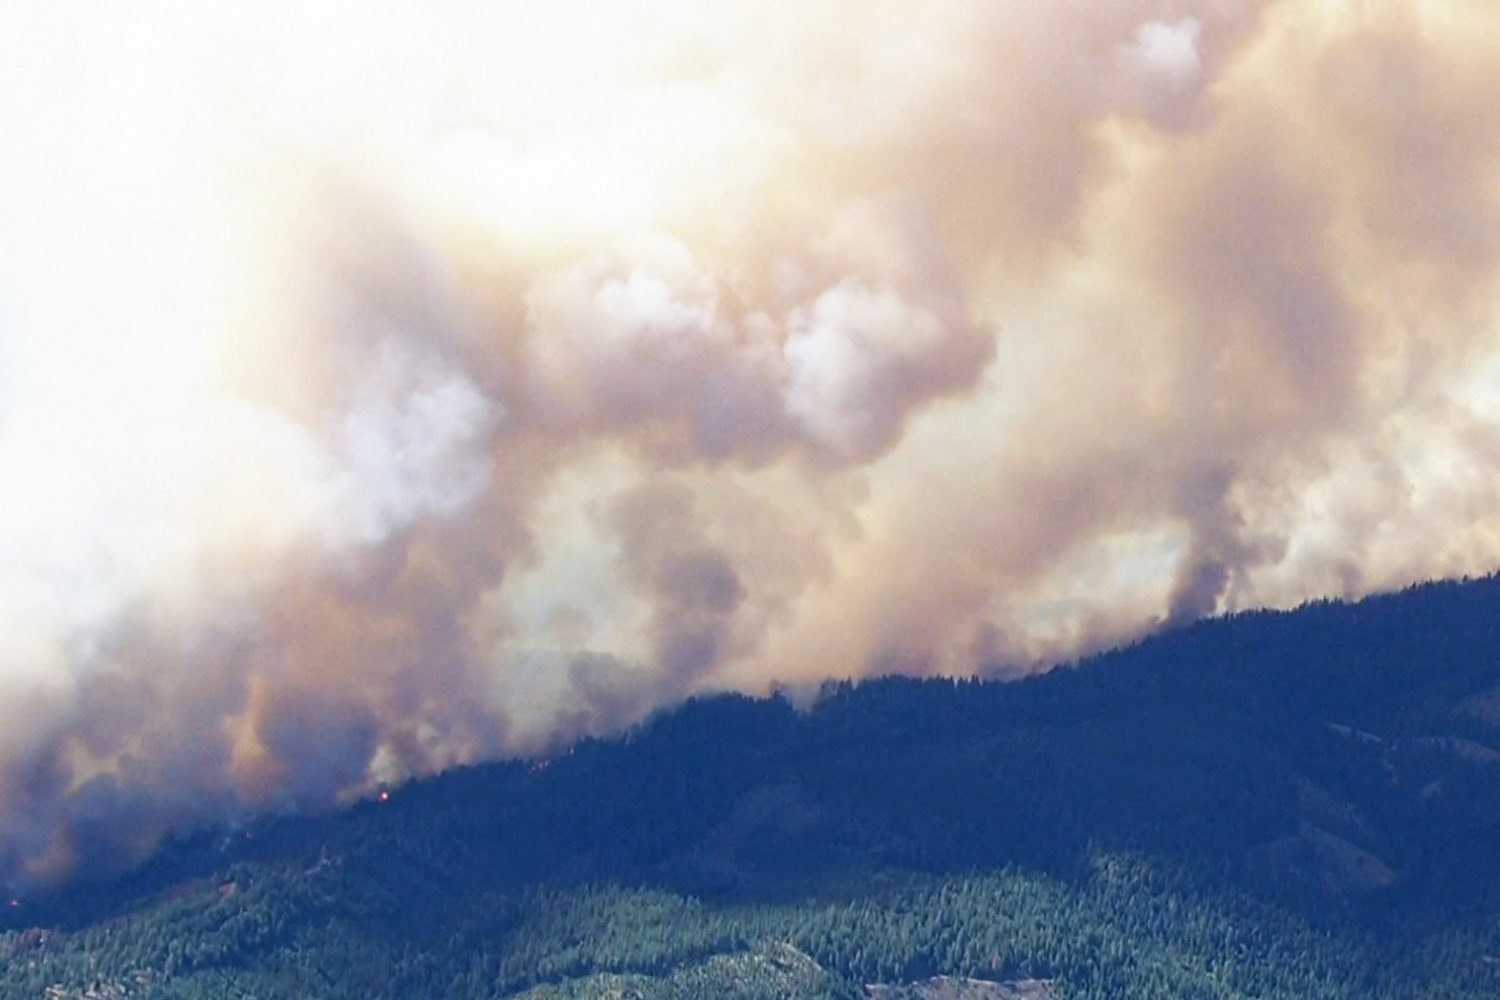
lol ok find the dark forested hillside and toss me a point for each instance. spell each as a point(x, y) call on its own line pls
point(1271, 805)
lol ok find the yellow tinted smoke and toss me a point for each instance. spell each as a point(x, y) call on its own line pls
point(389, 386)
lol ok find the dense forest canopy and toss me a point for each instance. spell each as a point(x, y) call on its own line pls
point(1286, 805)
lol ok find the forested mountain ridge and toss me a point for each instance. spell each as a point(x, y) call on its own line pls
point(1301, 804)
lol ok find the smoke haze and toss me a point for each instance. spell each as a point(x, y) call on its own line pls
point(389, 386)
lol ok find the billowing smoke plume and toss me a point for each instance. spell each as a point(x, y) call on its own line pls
point(386, 386)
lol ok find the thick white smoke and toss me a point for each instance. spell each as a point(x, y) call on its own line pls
point(388, 386)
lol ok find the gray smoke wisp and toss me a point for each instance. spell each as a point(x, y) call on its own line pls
point(389, 387)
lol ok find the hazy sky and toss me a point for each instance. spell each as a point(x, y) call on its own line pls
point(390, 385)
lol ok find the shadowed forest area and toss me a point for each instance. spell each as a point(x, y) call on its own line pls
point(1296, 805)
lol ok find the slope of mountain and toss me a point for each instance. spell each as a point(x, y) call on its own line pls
point(1300, 804)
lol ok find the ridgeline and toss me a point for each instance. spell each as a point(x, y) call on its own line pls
point(1270, 805)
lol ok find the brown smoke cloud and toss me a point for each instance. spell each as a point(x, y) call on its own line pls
point(390, 386)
